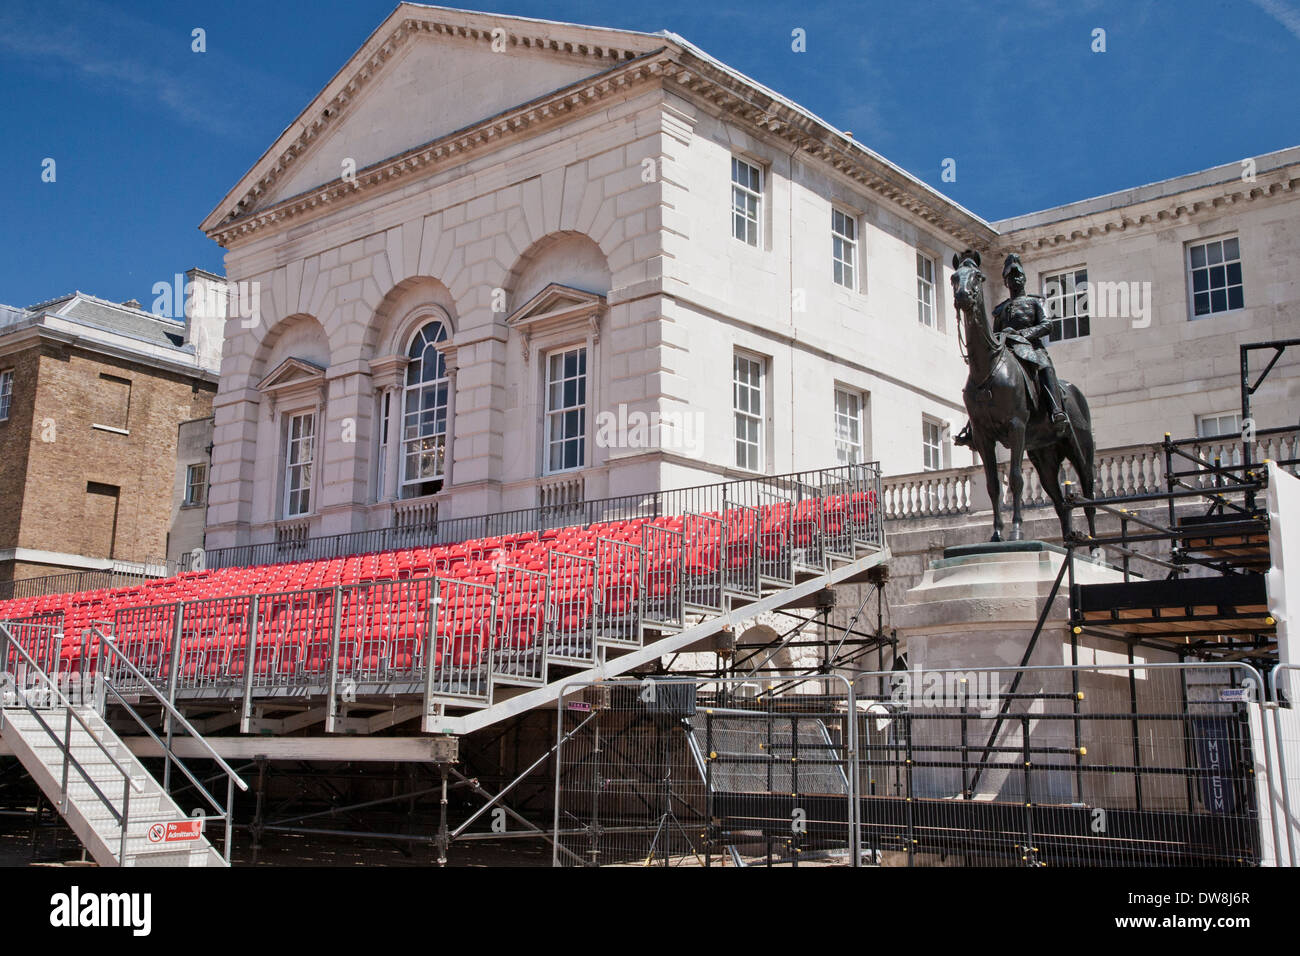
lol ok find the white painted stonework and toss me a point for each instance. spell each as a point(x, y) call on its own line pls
point(539, 186)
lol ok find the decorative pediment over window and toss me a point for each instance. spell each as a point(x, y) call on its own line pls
point(292, 378)
point(558, 308)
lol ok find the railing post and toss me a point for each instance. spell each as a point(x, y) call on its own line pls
point(83, 664)
point(230, 815)
point(126, 816)
point(430, 654)
point(331, 700)
point(4, 670)
point(173, 675)
point(250, 658)
point(1170, 482)
point(67, 755)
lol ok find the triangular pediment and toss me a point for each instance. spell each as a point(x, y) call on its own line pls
point(291, 372)
point(426, 72)
point(556, 301)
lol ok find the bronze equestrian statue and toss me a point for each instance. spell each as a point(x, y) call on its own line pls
point(1013, 396)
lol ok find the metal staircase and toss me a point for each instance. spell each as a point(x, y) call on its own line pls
point(697, 625)
point(119, 811)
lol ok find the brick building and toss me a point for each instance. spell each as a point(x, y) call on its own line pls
point(96, 400)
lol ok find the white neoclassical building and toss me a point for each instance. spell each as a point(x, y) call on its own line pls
point(503, 262)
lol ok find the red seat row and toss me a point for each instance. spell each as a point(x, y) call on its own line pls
point(294, 626)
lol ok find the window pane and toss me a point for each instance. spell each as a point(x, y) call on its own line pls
point(1066, 296)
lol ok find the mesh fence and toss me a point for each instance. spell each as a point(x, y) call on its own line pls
point(672, 772)
point(1135, 765)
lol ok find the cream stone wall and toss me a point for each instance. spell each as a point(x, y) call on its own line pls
point(459, 236)
point(780, 301)
point(615, 193)
point(1143, 380)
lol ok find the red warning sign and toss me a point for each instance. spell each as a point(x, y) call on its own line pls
point(176, 832)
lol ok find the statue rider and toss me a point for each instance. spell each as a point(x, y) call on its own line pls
point(1022, 324)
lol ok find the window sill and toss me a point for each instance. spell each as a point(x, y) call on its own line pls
point(194, 506)
point(110, 428)
point(1211, 315)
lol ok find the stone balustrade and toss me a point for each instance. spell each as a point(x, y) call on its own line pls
point(1128, 470)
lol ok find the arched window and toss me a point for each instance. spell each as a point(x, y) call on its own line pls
point(424, 419)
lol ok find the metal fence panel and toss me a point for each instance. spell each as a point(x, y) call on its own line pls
point(382, 630)
point(1147, 765)
point(519, 642)
point(674, 771)
point(44, 644)
point(806, 530)
point(662, 573)
point(740, 549)
point(618, 592)
point(775, 557)
point(144, 636)
point(702, 561)
point(570, 608)
point(211, 631)
point(462, 665)
point(293, 638)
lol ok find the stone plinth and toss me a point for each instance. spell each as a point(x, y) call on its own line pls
point(978, 605)
point(976, 610)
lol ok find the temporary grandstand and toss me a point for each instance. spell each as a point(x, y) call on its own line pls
point(580, 642)
point(449, 637)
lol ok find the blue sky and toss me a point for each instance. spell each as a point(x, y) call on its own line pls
point(147, 135)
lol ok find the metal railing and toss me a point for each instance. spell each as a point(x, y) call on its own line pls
point(1146, 763)
point(845, 479)
point(450, 637)
point(1202, 495)
point(121, 574)
point(23, 671)
point(113, 662)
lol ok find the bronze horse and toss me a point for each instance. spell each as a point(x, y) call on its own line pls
point(998, 400)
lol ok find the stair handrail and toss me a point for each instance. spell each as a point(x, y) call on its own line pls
point(171, 709)
point(66, 745)
point(233, 779)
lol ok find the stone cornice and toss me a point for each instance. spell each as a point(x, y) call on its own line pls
point(599, 46)
point(29, 337)
point(669, 65)
point(388, 371)
point(738, 98)
point(438, 154)
point(1160, 212)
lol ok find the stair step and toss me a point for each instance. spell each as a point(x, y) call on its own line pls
point(101, 757)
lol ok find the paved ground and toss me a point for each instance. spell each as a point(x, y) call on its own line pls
point(56, 845)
